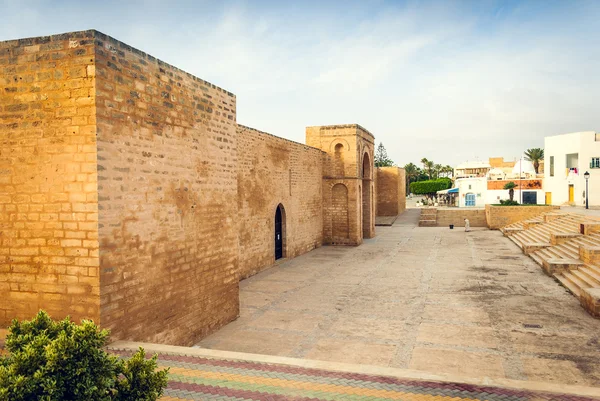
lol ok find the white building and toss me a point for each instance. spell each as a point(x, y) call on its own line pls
point(471, 191)
point(567, 158)
point(472, 169)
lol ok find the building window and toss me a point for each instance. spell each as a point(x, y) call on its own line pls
point(469, 186)
point(551, 166)
point(595, 163)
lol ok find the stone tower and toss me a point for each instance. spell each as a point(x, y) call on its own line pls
point(348, 184)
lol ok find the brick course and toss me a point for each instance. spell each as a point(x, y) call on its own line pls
point(273, 171)
point(129, 194)
point(48, 210)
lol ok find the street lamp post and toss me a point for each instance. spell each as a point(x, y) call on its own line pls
point(587, 177)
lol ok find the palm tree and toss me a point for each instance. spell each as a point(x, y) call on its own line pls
point(449, 170)
point(429, 166)
point(511, 189)
point(412, 173)
point(535, 155)
point(438, 169)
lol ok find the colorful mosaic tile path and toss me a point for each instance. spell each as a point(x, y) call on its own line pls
point(198, 378)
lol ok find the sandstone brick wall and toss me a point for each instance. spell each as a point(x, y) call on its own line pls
point(48, 212)
point(391, 191)
point(273, 171)
point(500, 216)
point(167, 188)
point(345, 147)
point(445, 217)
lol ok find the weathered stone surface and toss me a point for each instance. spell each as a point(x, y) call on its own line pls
point(510, 231)
point(391, 191)
point(433, 299)
point(561, 238)
point(590, 300)
point(589, 228)
point(589, 254)
point(500, 216)
point(553, 266)
point(534, 246)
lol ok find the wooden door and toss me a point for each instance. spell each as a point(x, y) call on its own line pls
point(571, 193)
point(548, 198)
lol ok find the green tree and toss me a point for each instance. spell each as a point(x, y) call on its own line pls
point(61, 360)
point(535, 155)
point(381, 157)
point(412, 174)
point(430, 187)
point(437, 168)
point(511, 189)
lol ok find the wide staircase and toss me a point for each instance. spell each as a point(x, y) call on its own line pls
point(428, 217)
point(567, 247)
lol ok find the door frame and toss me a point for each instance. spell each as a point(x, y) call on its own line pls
point(283, 252)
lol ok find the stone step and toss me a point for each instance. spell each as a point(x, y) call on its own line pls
point(566, 281)
point(593, 276)
point(586, 282)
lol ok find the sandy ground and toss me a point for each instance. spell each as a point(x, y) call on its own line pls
point(431, 299)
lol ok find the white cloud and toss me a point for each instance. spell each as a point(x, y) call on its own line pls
point(448, 81)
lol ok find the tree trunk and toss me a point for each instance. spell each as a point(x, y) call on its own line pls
point(536, 166)
point(511, 194)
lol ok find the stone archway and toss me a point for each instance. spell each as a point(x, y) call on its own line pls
point(340, 229)
point(367, 215)
point(280, 251)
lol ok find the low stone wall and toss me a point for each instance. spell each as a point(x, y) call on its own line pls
point(500, 216)
point(476, 217)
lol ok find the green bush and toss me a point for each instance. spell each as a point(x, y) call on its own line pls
point(61, 360)
point(431, 186)
point(508, 202)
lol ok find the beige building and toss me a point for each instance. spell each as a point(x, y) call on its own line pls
point(130, 195)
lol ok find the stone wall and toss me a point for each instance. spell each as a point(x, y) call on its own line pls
point(391, 191)
point(348, 183)
point(167, 188)
point(273, 171)
point(445, 217)
point(48, 212)
point(500, 216)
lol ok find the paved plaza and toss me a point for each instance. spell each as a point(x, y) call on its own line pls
point(197, 377)
point(430, 299)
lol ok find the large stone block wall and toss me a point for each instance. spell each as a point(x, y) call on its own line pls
point(167, 188)
point(274, 171)
point(391, 191)
point(500, 216)
point(445, 217)
point(48, 190)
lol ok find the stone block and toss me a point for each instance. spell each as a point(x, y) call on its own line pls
point(527, 224)
point(589, 254)
point(552, 216)
point(510, 231)
point(561, 238)
point(589, 228)
point(590, 300)
point(553, 266)
point(531, 247)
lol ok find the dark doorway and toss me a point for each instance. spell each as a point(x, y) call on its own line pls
point(278, 233)
point(529, 198)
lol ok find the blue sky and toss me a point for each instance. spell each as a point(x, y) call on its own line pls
point(450, 81)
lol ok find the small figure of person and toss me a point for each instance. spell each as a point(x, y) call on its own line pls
point(467, 225)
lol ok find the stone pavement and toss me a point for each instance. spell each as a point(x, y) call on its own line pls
point(193, 377)
point(429, 299)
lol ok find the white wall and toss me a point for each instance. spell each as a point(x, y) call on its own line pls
point(476, 185)
point(559, 146)
point(494, 196)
